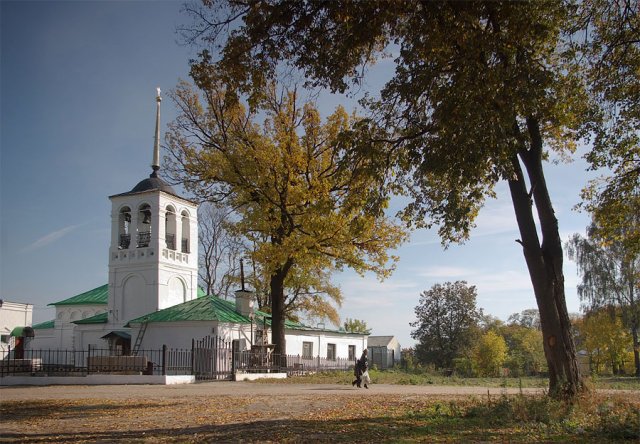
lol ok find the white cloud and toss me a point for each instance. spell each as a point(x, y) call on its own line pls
point(49, 238)
point(386, 306)
point(445, 272)
point(368, 290)
point(487, 281)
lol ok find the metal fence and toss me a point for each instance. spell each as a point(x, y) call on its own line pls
point(95, 360)
point(208, 359)
point(252, 362)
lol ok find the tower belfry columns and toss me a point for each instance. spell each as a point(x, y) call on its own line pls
point(156, 146)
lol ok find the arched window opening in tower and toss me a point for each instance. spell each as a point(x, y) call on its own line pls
point(144, 226)
point(170, 228)
point(185, 233)
point(124, 228)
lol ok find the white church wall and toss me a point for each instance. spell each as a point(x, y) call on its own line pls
point(243, 332)
point(62, 335)
point(177, 335)
point(176, 286)
point(44, 339)
point(180, 334)
point(65, 314)
point(91, 335)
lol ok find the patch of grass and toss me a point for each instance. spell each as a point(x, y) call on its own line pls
point(400, 377)
point(615, 382)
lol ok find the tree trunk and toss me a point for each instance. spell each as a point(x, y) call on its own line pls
point(277, 308)
point(636, 349)
point(277, 312)
point(544, 262)
point(633, 308)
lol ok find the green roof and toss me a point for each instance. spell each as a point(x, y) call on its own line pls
point(24, 332)
point(205, 308)
point(43, 325)
point(96, 319)
point(92, 297)
point(212, 308)
point(98, 296)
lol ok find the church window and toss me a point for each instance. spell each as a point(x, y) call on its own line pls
point(170, 228)
point(144, 226)
point(124, 228)
point(186, 247)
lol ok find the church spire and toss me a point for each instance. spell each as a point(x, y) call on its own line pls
point(156, 146)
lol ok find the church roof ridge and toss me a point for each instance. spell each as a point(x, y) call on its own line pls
point(44, 325)
point(100, 318)
point(98, 295)
point(205, 308)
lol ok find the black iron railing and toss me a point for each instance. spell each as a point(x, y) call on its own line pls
point(144, 239)
point(210, 360)
point(125, 241)
point(260, 362)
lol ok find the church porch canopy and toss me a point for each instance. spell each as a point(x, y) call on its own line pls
point(117, 334)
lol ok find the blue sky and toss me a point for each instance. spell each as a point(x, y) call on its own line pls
point(77, 117)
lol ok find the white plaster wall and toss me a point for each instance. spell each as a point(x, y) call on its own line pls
point(91, 335)
point(395, 346)
point(65, 314)
point(177, 335)
point(97, 379)
point(45, 339)
point(180, 334)
point(13, 314)
point(168, 277)
point(294, 340)
point(63, 335)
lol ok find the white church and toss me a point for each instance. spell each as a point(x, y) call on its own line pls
point(152, 297)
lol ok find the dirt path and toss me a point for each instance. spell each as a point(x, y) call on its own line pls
point(237, 412)
point(240, 389)
point(207, 412)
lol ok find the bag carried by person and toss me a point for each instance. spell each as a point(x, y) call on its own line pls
point(365, 377)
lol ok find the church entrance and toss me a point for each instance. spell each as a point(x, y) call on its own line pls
point(119, 343)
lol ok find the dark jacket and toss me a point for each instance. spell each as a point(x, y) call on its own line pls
point(362, 365)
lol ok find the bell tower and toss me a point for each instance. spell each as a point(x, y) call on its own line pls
point(153, 256)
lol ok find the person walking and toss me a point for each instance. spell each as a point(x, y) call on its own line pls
point(361, 370)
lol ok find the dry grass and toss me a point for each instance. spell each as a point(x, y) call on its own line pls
point(324, 418)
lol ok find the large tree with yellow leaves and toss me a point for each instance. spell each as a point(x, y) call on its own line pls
point(302, 198)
